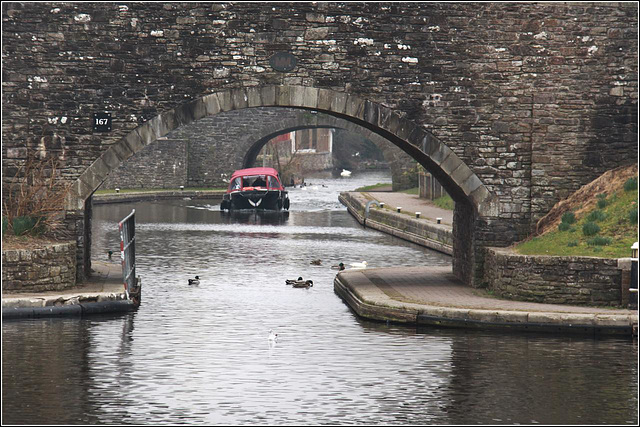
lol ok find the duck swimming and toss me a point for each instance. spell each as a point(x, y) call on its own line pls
point(300, 283)
point(316, 262)
point(338, 267)
point(195, 281)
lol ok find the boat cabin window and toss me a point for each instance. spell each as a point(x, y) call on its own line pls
point(273, 182)
point(255, 181)
point(236, 184)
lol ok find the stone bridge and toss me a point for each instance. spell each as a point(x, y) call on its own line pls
point(201, 153)
point(511, 107)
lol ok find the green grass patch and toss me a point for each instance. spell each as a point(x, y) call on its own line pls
point(631, 184)
point(599, 241)
point(445, 202)
point(590, 228)
point(374, 187)
point(563, 226)
point(568, 217)
point(618, 230)
point(596, 216)
point(414, 191)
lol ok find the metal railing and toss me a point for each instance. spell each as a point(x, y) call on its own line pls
point(128, 252)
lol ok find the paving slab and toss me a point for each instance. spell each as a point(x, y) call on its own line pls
point(413, 203)
point(433, 295)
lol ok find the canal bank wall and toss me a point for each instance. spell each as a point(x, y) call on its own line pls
point(432, 296)
point(422, 231)
point(102, 293)
point(141, 196)
point(572, 280)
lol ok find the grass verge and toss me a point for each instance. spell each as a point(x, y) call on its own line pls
point(617, 232)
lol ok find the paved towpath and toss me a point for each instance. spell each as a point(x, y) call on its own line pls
point(409, 294)
point(411, 204)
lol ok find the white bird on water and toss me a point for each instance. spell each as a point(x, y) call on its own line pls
point(272, 336)
point(357, 265)
point(345, 173)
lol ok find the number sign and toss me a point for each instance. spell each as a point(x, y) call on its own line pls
point(102, 122)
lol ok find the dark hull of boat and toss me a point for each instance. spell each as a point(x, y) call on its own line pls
point(264, 200)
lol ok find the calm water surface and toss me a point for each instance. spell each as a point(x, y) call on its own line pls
point(200, 354)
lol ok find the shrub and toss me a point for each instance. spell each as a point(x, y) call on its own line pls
point(23, 225)
point(572, 243)
point(633, 215)
point(631, 184)
point(590, 228)
point(35, 196)
point(599, 241)
point(602, 203)
point(596, 215)
point(568, 217)
point(564, 226)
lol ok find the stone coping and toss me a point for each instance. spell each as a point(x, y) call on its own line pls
point(369, 301)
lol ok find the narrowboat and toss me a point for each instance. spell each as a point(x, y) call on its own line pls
point(255, 188)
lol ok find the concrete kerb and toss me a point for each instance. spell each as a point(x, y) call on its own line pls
point(387, 309)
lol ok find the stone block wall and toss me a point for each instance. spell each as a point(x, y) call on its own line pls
point(51, 268)
point(160, 165)
point(585, 281)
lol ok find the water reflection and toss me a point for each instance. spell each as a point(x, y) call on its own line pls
point(200, 354)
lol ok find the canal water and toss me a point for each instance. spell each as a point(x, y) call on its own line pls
point(201, 354)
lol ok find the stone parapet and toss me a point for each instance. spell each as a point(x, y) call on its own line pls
point(35, 270)
point(572, 280)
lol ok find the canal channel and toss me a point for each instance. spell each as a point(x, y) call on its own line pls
point(201, 354)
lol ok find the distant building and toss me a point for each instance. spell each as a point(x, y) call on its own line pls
point(298, 152)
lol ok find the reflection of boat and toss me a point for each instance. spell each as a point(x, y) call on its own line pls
point(255, 188)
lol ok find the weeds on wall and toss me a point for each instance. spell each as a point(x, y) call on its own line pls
point(35, 197)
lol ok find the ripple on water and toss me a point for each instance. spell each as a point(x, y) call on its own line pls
point(200, 354)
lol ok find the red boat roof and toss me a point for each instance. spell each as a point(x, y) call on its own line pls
point(255, 171)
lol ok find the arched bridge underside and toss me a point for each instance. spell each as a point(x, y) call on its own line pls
point(202, 153)
point(476, 207)
point(512, 107)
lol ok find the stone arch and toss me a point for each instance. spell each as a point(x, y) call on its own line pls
point(389, 151)
point(459, 180)
point(473, 200)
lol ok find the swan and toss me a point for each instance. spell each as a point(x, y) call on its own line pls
point(195, 281)
point(345, 173)
point(272, 336)
point(357, 265)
